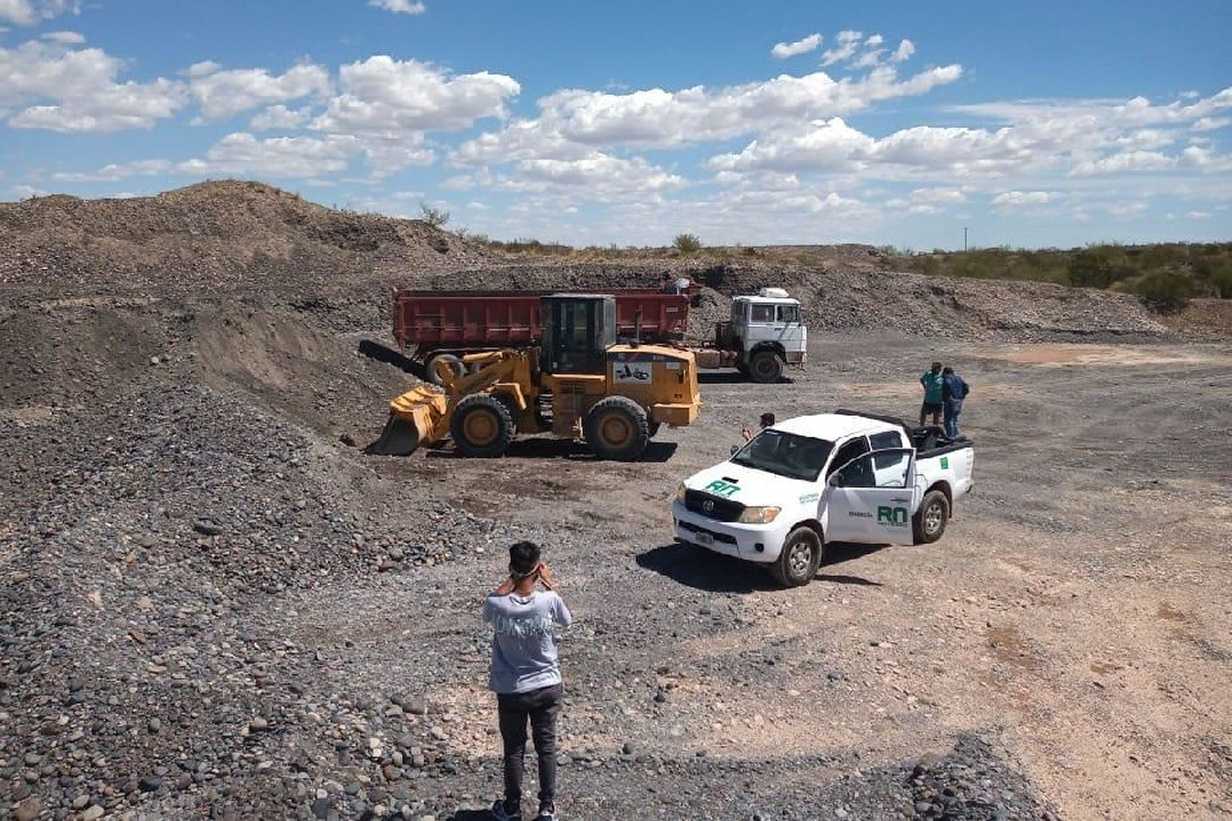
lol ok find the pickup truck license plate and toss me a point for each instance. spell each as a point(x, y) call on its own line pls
point(704, 539)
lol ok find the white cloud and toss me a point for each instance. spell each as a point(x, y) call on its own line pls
point(64, 38)
point(905, 49)
point(117, 171)
point(1126, 210)
point(278, 117)
point(1008, 200)
point(1198, 215)
point(26, 191)
point(400, 6)
point(802, 46)
point(573, 121)
point(848, 43)
point(202, 68)
point(1127, 161)
point(29, 12)
point(599, 174)
point(384, 95)
point(928, 200)
point(76, 90)
point(227, 93)
point(1211, 123)
point(874, 41)
point(242, 153)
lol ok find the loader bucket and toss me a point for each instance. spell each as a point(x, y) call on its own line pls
point(414, 418)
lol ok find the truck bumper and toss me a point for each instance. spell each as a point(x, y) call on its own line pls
point(677, 416)
point(796, 357)
point(754, 543)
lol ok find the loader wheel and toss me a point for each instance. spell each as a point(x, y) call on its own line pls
point(481, 426)
point(798, 561)
point(766, 367)
point(929, 521)
point(453, 362)
point(652, 429)
point(617, 428)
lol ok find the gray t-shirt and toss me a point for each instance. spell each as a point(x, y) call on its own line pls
point(524, 644)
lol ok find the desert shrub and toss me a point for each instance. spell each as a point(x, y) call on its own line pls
point(687, 243)
point(1164, 291)
point(1098, 266)
point(436, 217)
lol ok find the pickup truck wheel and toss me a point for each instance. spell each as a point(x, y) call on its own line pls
point(453, 362)
point(798, 561)
point(766, 367)
point(482, 426)
point(617, 428)
point(929, 521)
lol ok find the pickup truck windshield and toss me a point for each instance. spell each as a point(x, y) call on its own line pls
point(785, 454)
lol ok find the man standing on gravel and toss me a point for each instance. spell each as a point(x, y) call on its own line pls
point(525, 674)
point(954, 390)
point(932, 382)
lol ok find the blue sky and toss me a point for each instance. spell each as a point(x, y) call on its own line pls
point(1032, 124)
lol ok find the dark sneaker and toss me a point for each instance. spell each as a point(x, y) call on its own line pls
point(547, 813)
point(500, 813)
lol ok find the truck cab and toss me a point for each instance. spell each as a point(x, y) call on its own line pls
point(766, 331)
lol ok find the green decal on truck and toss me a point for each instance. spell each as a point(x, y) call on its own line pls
point(945, 463)
point(720, 488)
point(893, 516)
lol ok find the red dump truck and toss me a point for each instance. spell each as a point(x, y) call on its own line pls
point(446, 325)
point(765, 332)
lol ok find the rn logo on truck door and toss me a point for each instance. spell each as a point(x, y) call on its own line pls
point(892, 516)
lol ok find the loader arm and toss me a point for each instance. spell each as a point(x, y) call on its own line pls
point(421, 416)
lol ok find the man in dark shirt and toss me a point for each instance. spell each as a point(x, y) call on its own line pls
point(954, 390)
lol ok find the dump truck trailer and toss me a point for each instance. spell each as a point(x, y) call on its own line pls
point(764, 334)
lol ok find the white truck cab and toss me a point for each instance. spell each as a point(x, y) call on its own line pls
point(765, 333)
point(830, 477)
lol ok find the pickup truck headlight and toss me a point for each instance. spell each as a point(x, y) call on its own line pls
point(680, 492)
point(759, 515)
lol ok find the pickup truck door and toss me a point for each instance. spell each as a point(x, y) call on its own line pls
point(871, 499)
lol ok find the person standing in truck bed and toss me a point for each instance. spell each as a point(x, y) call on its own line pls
point(933, 394)
point(954, 390)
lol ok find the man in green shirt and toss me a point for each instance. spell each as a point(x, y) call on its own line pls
point(933, 382)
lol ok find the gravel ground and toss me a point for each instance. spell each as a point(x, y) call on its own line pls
point(215, 605)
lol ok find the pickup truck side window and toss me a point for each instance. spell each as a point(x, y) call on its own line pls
point(762, 314)
point(848, 452)
point(789, 313)
point(862, 473)
point(882, 441)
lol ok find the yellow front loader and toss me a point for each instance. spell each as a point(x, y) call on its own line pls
point(579, 384)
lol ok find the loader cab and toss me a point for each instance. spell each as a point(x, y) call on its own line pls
point(577, 331)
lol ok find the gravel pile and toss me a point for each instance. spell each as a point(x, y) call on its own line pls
point(209, 235)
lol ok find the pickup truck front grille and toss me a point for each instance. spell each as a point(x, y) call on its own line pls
point(712, 507)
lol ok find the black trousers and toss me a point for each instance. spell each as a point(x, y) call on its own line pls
point(540, 707)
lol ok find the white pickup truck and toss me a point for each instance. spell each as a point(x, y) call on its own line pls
point(832, 477)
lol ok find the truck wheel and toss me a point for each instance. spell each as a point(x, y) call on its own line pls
point(801, 556)
point(453, 362)
point(766, 367)
point(929, 521)
point(481, 426)
point(617, 428)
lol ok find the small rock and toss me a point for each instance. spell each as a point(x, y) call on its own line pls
point(258, 725)
point(207, 528)
point(628, 748)
point(28, 810)
point(94, 813)
point(151, 783)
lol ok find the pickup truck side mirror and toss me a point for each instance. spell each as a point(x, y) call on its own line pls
point(838, 480)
